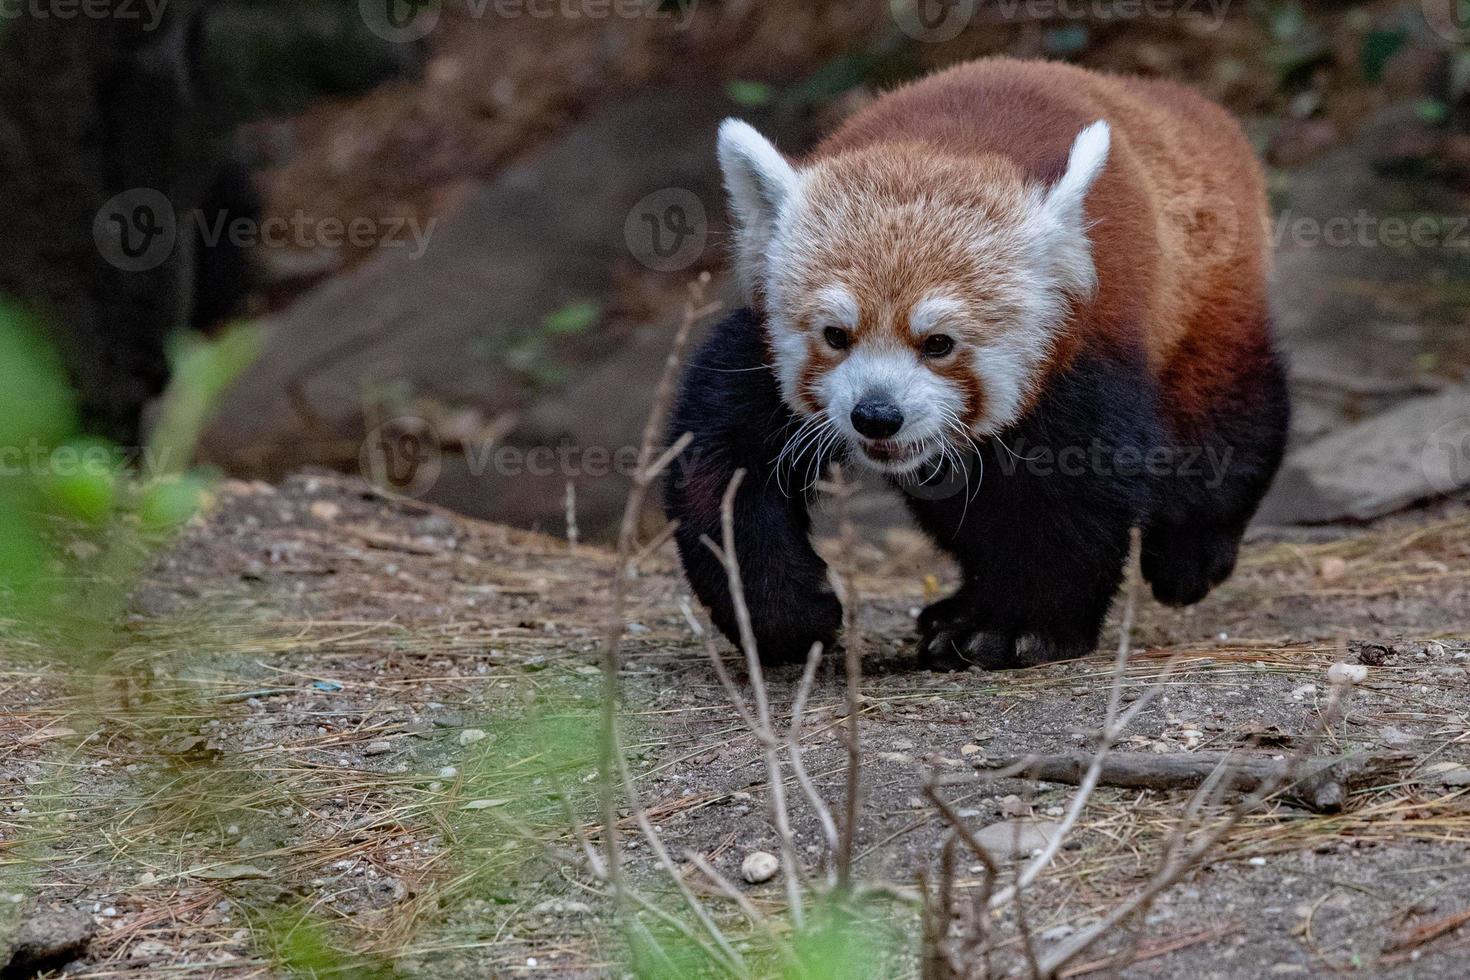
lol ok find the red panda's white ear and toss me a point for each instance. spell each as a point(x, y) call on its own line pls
point(759, 181)
point(1064, 206)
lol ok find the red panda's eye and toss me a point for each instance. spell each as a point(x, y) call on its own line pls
point(837, 338)
point(938, 345)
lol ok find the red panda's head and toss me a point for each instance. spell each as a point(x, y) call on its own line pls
point(912, 298)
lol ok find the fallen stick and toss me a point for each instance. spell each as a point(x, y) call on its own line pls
point(1428, 931)
point(1154, 951)
point(1321, 784)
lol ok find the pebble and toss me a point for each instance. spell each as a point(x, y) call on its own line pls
point(1016, 838)
point(759, 866)
point(380, 747)
point(562, 906)
point(1341, 673)
point(448, 772)
point(471, 735)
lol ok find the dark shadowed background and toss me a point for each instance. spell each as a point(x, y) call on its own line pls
point(468, 227)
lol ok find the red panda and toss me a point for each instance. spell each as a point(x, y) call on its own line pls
point(1004, 262)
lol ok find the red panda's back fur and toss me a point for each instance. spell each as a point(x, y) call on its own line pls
point(1177, 219)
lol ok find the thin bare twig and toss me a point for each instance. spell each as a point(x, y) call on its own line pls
point(647, 473)
point(779, 811)
point(852, 640)
point(1113, 727)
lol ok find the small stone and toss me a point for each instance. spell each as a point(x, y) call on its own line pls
point(448, 772)
point(759, 866)
point(970, 749)
point(1016, 838)
point(904, 745)
point(1332, 567)
point(1347, 674)
point(325, 510)
point(49, 939)
point(1014, 806)
point(562, 906)
point(1448, 774)
point(899, 758)
point(380, 747)
point(472, 735)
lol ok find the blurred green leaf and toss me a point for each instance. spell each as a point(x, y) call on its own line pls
point(203, 370)
point(82, 482)
point(837, 945)
point(170, 501)
point(1431, 110)
point(1378, 47)
point(36, 403)
point(751, 95)
point(1067, 39)
point(1287, 20)
point(574, 318)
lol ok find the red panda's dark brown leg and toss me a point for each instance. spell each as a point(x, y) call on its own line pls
point(1226, 452)
point(1042, 535)
point(731, 406)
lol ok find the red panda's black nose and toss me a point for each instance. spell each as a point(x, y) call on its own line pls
point(877, 418)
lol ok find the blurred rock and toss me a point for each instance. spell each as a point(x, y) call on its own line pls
point(1415, 452)
point(448, 326)
point(48, 939)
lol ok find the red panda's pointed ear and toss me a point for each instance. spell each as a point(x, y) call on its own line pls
point(1068, 242)
point(759, 181)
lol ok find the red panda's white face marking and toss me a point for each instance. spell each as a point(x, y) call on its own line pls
point(912, 299)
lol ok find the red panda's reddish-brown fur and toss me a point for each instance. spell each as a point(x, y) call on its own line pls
point(1177, 219)
point(978, 277)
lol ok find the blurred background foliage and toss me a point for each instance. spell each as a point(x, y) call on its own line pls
point(544, 132)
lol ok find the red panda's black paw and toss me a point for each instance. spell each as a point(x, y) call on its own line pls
point(1183, 566)
point(945, 614)
point(785, 632)
point(961, 648)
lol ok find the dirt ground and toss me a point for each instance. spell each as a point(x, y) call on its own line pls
point(347, 718)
